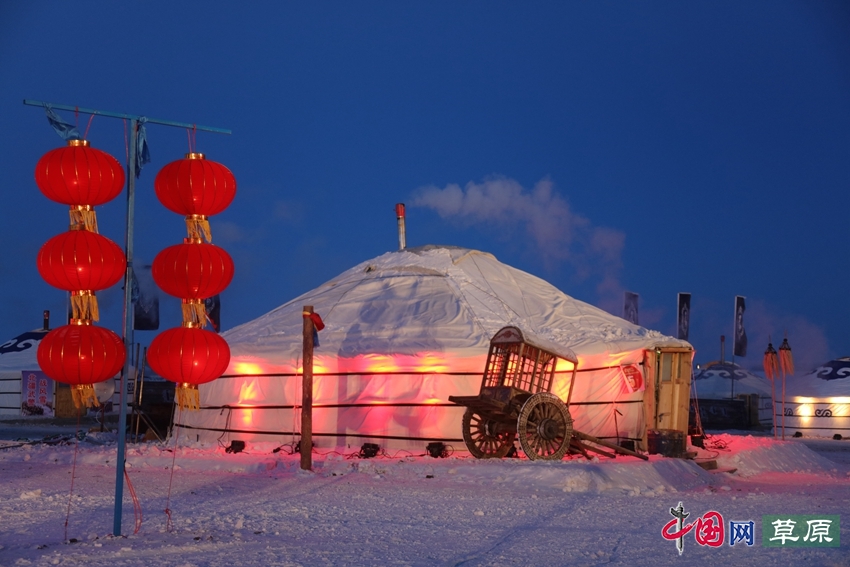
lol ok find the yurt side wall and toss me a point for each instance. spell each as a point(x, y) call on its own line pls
point(10, 393)
point(402, 410)
point(601, 404)
point(815, 417)
point(395, 410)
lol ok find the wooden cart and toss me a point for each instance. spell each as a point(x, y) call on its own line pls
point(516, 400)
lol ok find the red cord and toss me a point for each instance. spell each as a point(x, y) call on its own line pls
point(169, 524)
point(73, 471)
point(192, 136)
point(86, 135)
point(137, 506)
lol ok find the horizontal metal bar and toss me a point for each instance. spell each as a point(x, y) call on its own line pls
point(126, 116)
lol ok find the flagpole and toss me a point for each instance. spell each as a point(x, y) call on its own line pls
point(128, 329)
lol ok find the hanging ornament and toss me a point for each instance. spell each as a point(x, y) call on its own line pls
point(771, 362)
point(786, 359)
point(81, 354)
point(188, 356)
point(81, 262)
point(197, 188)
point(193, 271)
point(81, 177)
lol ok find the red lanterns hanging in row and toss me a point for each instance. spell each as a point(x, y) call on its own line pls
point(81, 261)
point(81, 177)
point(81, 354)
point(193, 271)
point(197, 188)
point(189, 355)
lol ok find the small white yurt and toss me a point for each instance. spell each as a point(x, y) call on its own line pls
point(726, 381)
point(17, 357)
point(817, 404)
point(406, 330)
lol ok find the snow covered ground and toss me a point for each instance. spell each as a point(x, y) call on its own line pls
point(258, 508)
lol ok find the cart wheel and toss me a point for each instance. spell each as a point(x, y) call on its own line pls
point(544, 427)
point(484, 437)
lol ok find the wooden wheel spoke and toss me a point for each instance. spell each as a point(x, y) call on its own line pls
point(545, 427)
point(480, 439)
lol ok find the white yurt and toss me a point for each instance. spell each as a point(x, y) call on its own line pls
point(726, 381)
point(406, 330)
point(817, 404)
point(17, 357)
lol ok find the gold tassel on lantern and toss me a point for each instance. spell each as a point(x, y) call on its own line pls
point(83, 217)
point(188, 396)
point(198, 228)
point(84, 305)
point(83, 396)
point(194, 313)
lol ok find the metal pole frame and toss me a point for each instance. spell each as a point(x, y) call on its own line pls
point(128, 276)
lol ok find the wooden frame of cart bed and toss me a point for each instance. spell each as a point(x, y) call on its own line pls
point(515, 402)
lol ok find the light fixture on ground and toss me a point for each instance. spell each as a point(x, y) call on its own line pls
point(369, 450)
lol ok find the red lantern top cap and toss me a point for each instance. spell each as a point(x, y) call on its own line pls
point(80, 322)
point(195, 155)
point(78, 143)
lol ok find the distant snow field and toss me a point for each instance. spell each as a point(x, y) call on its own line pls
point(258, 508)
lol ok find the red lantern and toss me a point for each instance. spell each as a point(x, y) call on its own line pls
point(79, 175)
point(81, 354)
point(188, 356)
point(81, 260)
point(195, 186)
point(192, 270)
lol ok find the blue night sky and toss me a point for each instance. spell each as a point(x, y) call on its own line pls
point(654, 147)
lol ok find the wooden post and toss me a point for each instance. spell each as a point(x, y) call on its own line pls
point(307, 392)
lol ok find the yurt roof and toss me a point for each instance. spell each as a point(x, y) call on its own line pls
point(830, 379)
point(714, 381)
point(19, 353)
point(435, 299)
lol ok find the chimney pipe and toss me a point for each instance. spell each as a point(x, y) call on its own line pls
point(46, 320)
point(722, 349)
point(399, 213)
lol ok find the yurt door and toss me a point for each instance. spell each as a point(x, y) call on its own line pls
point(672, 389)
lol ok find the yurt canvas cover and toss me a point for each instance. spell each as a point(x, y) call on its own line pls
point(406, 330)
point(16, 356)
point(818, 403)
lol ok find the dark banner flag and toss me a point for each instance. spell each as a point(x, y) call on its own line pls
point(213, 307)
point(630, 307)
point(145, 300)
point(683, 320)
point(740, 344)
